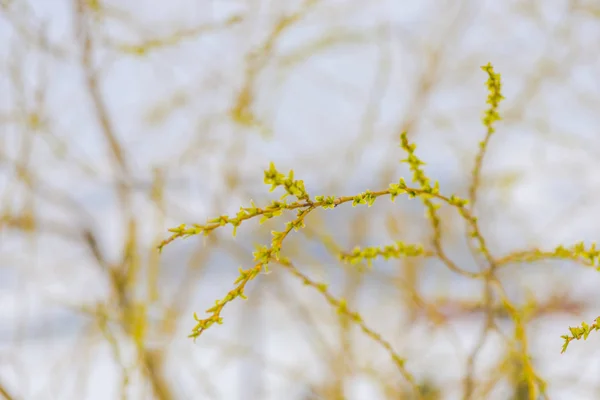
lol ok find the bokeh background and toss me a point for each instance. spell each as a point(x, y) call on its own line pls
point(121, 119)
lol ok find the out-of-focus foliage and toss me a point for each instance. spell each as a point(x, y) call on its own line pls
point(120, 119)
